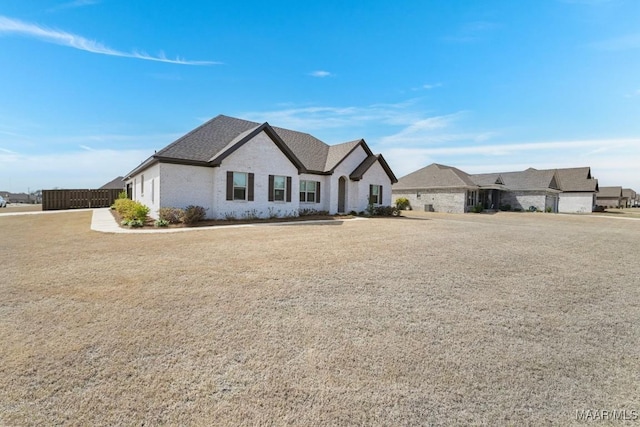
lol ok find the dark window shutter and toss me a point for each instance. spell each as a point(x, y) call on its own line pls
point(370, 193)
point(250, 189)
point(229, 185)
point(271, 188)
point(380, 194)
point(318, 192)
point(288, 189)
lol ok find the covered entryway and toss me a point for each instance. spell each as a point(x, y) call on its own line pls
point(342, 194)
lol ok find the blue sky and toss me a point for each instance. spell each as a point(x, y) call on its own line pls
point(90, 88)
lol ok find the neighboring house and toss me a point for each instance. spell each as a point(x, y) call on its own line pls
point(610, 197)
point(579, 190)
point(17, 197)
point(628, 197)
point(443, 188)
point(237, 168)
point(438, 188)
point(523, 190)
point(115, 184)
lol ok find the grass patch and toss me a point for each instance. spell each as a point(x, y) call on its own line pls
point(469, 319)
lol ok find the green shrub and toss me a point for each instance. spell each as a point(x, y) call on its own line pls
point(533, 209)
point(193, 214)
point(477, 208)
point(132, 222)
point(384, 211)
point(548, 209)
point(506, 207)
point(171, 215)
point(161, 223)
point(140, 211)
point(123, 195)
point(402, 203)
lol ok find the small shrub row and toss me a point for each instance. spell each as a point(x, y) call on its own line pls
point(385, 211)
point(310, 212)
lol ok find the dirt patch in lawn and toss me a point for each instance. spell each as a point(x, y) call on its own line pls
point(506, 319)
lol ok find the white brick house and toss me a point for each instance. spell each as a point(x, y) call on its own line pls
point(237, 168)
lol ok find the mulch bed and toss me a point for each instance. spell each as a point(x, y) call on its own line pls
point(150, 222)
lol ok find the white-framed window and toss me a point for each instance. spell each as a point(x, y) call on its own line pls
point(279, 188)
point(239, 186)
point(141, 185)
point(375, 194)
point(309, 191)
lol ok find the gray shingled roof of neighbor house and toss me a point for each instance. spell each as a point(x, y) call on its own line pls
point(610, 192)
point(530, 179)
point(577, 179)
point(628, 193)
point(435, 176)
point(115, 183)
point(214, 139)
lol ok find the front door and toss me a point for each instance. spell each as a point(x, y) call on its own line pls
point(342, 193)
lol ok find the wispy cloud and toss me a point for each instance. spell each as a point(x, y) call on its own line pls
point(471, 32)
point(74, 4)
point(320, 74)
point(312, 118)
point(63, 38)
point(427, 86)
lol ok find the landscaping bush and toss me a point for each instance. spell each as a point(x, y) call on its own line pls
point(548, 209)
point(384, 210)
point(171, 215)
point(312, 212)
point(506, 207)
point(533, 209)
point(130, 210)
point(477, 208)
point(193, 214)
point(161, 223)
point(402, 203)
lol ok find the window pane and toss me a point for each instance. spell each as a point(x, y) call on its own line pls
point(239, 193)
point(303, 196)
point(311, 197)
point(239, 179)
point(375, 190)
point(311, 186)
point(278, 195)
point(303, 186)
point(279, 182)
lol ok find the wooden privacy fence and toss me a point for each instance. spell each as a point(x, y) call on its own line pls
point(78, 199)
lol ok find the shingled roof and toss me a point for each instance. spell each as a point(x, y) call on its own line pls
point(435, 176)
point(610, 192)
point(530, 179)
point(210, 143)
point(576, 180)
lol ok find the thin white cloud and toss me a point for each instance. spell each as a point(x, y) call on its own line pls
point(471, 32)
point(74, 4)
point(320, 73)
point(14, 26)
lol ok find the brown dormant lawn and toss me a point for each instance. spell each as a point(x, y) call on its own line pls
point(505, 319)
